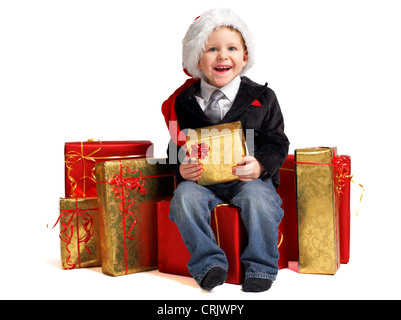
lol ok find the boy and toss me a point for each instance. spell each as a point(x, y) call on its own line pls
point(217, 49)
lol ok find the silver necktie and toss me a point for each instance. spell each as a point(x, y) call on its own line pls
point(212, 110)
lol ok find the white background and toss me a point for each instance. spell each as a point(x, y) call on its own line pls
point(74, 70)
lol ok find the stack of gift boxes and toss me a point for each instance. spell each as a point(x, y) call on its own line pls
point(115, 213)
point(109, 215)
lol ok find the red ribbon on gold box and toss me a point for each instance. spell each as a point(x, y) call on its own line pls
point(79, 233)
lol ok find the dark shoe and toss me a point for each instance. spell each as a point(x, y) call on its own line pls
point(256, 285)
point(215, 277)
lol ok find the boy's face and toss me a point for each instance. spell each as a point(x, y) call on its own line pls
point(224, 57)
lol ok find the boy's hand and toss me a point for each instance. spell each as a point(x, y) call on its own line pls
point(249, 169)
point(191, 171)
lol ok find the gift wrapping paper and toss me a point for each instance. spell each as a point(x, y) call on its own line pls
point(230, 235)
point(318, 210)
point(232, 240)
point(345, 212)
point(173, 255)
point(81, 157)
point(79, 233)
point(287, 192)
point(218, 148)
point(128, 192)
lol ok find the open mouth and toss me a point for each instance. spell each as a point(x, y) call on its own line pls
point(223, 69)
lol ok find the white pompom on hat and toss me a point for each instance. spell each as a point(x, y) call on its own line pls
point(199, 32)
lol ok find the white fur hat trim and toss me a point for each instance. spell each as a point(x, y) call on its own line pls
point(198, 33)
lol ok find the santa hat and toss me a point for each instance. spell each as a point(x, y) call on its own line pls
point(168, 110)
point(198, 33)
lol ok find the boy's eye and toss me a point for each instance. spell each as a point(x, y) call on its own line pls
point(212, 49)
point(232, 49)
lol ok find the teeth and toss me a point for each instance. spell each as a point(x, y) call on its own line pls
point(223, 68)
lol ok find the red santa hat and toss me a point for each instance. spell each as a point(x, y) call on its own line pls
point(199, 32)
point(168, 110)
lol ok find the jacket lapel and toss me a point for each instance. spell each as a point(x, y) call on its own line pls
point(247, 94)
point(191, 105)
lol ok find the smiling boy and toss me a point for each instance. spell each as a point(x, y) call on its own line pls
point(224, 57)
point(217, 49)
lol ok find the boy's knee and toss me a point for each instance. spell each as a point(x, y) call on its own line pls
point(188, 200)
point(258, 196)
point(257, 189)
point(185, 191)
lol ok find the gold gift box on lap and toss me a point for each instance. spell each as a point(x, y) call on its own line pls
point(79, 233)
point(318, 211)
point(218, 148)
point(128, 192)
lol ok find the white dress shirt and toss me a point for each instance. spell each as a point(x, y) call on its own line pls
point(230, 91)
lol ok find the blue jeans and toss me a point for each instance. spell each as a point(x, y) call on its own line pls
point(261, 213)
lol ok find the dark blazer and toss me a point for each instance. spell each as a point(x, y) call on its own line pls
point(257, 108)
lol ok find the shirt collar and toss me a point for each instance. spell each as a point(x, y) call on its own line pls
point(230, 90)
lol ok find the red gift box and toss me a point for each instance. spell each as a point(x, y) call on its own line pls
point(81, 157)
point(230, 234)
point(287, 192)
point(173, 255)
point(345, 215)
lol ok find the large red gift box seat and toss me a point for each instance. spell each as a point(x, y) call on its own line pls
point(229, 232)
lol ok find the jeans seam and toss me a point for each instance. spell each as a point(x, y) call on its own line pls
point(260, 275)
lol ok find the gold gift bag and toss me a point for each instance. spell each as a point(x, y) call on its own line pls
point(218, 148)
point(79, 233)
point(128, 192)
point(318, 215)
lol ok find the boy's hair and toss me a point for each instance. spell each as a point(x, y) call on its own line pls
point(199, 32)
point(240, 34)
